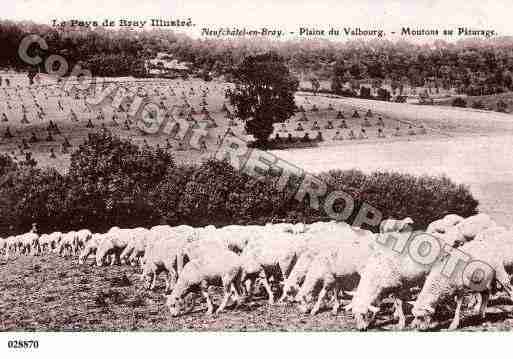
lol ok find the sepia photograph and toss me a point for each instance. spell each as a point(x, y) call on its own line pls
point(236, 166)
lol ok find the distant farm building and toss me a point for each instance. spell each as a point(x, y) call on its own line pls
point(164, 65)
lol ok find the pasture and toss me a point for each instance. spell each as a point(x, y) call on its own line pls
point(29, 109)
point(50, 293)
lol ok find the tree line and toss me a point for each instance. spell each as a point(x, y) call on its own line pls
point(475, 67)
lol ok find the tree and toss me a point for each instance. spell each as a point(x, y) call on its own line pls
point(263, 94)
point(316, 85)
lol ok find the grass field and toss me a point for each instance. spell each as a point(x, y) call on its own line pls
point(320, 115)
point(54, 294)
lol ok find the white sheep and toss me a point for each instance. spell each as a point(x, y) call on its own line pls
point(163, 255)
point(137, 238)
point(3, 246)
point(441, 225)
point(395, 225)
point(113, 245)
point(68, 244)
point(49, 242)
point(320, 238)
point(271, 256)
point(336, 268)
point(29, 243)
point(387, 272)
point(12, 246)
point(296, 277)
point(83, 236)
point(287, 227)
point(494, 249)
point(466, 229)
point(90, 247)
point(224, 268)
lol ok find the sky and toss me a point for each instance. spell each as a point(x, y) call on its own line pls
point(285, 15)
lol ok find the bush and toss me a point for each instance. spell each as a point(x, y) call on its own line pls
point(31, 195)
point(113, 182)
point(502, 106)
point(478, 104)
point(6, 164)
point(459, 102)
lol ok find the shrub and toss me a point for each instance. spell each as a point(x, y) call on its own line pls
point(31, 195)
point(478, 104)
point(459, 102)
point(6, 164)
point(502, 106)
point(113, 182)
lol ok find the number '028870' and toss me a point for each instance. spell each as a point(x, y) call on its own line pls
point(22, 344)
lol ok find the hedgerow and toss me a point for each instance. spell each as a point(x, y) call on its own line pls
point(114, 182)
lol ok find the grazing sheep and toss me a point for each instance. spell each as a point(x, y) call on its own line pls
point(272, 256)
point(90, 247)
point(49, 242)
point(442, 225)
point(113, 229)
point(82, 237)
point(13, 246)
point(286, 227)
point(112, 244)
point(467, 229)
point(224, 270)
point(139, 245)
point(3, 246)
point(472, 226)
point(318, 227)
point(238, 237)
point(297, 275)
point(337, 267)
point(387, 272)
point(320, 239)
point(68, 244)
point(29, 243)
point(138, 238)
point(494, 249)
point(138, 250)
point(395, 225)
point(163, 255)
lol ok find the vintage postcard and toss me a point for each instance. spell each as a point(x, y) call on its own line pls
point(239, 166)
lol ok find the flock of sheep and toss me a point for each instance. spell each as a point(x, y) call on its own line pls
point(295, 263)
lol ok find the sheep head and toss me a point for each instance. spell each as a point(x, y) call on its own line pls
point(422, 316)
point(175, 303)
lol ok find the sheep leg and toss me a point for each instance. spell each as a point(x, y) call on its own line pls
point(265, 283)
point(224, 302)
point(399, 313)
point(149, 283)
point(456, 320)
point(117, 258)
point(156, 273)
point(171, 279)
point(248, 285)
point(284, 295)
point(336, 301)
point(484, 304)
point(478, 302)
point(320, 299)
point(206, 295)
point(237, 293)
